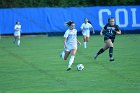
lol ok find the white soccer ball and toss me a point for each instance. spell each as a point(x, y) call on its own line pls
point(80, 67)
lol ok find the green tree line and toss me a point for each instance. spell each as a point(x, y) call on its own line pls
point(64, 3)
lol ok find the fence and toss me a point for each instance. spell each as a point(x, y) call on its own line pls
point(44, 20)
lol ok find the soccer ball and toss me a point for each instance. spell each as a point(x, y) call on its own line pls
point(80, 67)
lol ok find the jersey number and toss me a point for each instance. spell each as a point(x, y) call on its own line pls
point(110, 31)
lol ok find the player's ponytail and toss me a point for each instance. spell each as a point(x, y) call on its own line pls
point(17, 22)
point(90, 22)
point(69, 23)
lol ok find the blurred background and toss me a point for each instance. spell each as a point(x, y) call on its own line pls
point(48, 16)
point(64, 3)
point(36, 67)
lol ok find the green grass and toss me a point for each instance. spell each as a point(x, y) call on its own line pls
point(35, 67)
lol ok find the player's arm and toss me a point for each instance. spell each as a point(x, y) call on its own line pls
point(20, 29)
point(93, 30)
point(81, 27)
point(118, 31)
point(103, 29)
point(15, 28)
point(65, 39)
point(101, 32)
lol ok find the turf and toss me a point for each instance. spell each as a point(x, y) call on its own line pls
point(35, 66)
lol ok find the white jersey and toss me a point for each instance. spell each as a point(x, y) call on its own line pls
point(17, 29)
point(86, 27)
point(71, 36)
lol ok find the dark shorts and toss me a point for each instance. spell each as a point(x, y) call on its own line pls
point(111, 38)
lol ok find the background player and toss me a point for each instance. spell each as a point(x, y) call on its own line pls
point(109, 31)
point(70, 43)
point(85, 27)
point(17, 30)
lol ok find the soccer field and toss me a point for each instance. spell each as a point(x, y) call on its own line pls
point(35, 66)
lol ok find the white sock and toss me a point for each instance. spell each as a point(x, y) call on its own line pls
point(71, 61)
point(18, 42)
point(85, 44)
point(63, 54)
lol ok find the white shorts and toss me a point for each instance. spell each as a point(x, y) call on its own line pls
point(16, 33)
point(86, 33)
point(70, 47)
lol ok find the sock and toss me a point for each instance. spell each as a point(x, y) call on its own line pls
point(85, 44)
point(111, 52)
point(71, 61)
point(14, 41)
point(18, 42)
point(100, 51)
point(63, 54)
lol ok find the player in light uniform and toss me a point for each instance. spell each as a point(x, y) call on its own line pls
point(70, 44)
point(17, 30)
point(85, 27)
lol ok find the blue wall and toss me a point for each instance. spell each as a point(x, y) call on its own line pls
point(34, 20)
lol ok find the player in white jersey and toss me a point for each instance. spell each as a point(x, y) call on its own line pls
point(17, 30)
point(70, 44)
point(85, 27)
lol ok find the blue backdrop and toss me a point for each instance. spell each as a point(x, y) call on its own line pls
point(35, 20)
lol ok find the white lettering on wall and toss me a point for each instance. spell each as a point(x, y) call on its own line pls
point(101, 16)
point(134, 19)
point(118, 17)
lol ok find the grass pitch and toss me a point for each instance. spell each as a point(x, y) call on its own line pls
point(36, 67)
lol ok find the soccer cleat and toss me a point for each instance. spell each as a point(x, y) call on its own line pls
point(68, 69)
point(95, 57)
point(60, 55)
point(111, 59)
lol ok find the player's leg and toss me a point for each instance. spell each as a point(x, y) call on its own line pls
point(14, 41)
point(18, 40)
point(87, 39)
point(102, 49)
point(110, 45)
point(85, 43)
point(73, 52)
point(66, 55)
point(87, 36)
point(15, 37)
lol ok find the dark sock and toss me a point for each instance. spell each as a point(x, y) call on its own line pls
point(111, 52)
point(100, 51)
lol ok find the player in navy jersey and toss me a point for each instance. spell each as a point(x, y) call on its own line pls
point(109, 32)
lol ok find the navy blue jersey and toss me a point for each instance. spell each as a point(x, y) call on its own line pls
point(110, 31)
